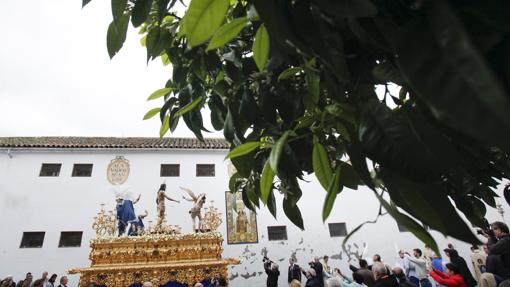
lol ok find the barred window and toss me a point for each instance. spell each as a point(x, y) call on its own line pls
point(50, 169)
point(277, 232)
point(82, 170)
point(70, 239)
point(205, 169)
point(32, 240)
point(338, 229)
point(170, 170)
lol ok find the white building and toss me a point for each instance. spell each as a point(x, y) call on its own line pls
point(41, 192)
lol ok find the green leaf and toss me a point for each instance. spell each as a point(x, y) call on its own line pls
point(203, 18)
point(243, 149)
point(164, 127)
point(276, 151)
point(271, 203)
point(290, 72)
point(187, 108)
point(293, 213)
point(348, 177)
point(333, 189)
point(232, 182)
point(151, 113)
point(118, 8)
point(159, 93)
point(322, 165)
point(116, 34)
point(84, 3)
point(266, 182)
point(261, 47)
point(227, 32)
point(313, 85)
point(141, 12)
point(410, 224)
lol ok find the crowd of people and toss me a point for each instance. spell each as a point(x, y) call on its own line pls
point(491, 268)
point(29, 281)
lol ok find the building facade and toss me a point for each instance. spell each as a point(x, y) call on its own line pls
point(51, 189)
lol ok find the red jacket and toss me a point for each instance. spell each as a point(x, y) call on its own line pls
point(449, 281)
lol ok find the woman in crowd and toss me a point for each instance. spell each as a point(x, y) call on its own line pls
point(452, 278)
point(462, 267)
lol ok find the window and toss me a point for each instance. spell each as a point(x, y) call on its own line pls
point(337, 229)
point(277, 232)
point(70, 239)
point(170, 170)
point(82, 170)
point(205, 169)
point(50, 169)
point(32, 240)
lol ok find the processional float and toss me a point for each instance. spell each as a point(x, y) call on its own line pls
point(160, 254)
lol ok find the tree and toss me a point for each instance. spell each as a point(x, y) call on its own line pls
point(291, 84)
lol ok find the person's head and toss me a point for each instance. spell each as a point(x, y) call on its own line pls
point(452, 253)
point(39, 282)
point(118, 199)
point(274, 266)
point(376, 258)
point(398, 272)
point(291, 261)
point(316, 259)
point(29, 275)
point(334, 282)
point(451, 246)
point(401, 254)
point(500, 229)
point(326, 258)
point(64, 280)
point(357, 277)
point(505, 283)
point(198, 285)
point(295, 283)
point(162, 186)
point(379, 270)
point(451, 269)
point(417, 252)
point(363, 263)
point(53, 278)
point(44, 275)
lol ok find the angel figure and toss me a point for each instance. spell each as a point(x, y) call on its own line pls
point(196, 210)
point(160, 201)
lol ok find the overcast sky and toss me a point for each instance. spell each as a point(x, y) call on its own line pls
point(56, 78)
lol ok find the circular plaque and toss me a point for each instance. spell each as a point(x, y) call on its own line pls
point(118, 170)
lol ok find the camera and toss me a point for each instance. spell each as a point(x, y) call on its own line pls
point(266, 260)
point(311, 263)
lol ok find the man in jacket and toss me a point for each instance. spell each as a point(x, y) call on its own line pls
point(272, 273)
point(294, 271)
point(501, 248)
point(419, 276)
point(319, 269)
point(63, 281)
point(382, 278)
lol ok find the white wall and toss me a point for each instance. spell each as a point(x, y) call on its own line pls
point(54, 204)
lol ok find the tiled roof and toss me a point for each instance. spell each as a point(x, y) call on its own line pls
point(112, 142)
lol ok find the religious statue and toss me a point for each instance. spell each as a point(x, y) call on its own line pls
point(241, 222)
point(196, 209)
point(160, 201)
point(125, 212)
point(137, 226)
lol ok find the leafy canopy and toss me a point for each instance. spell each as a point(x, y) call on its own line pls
point(291, 84)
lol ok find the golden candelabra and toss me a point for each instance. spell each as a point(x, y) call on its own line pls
point(105, 223)
point(212, 217)
point(158, 256)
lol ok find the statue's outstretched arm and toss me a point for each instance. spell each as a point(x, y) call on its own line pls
point(171, 199)
point(188, 199)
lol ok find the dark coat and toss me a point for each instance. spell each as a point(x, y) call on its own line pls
point(319, 270)
point(272, 275)
point(294, 273)
point(463, 270)
point(387, 281)
point(502, 248)
point(313, 282)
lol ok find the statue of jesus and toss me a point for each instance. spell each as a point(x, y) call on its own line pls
point(160, 201)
